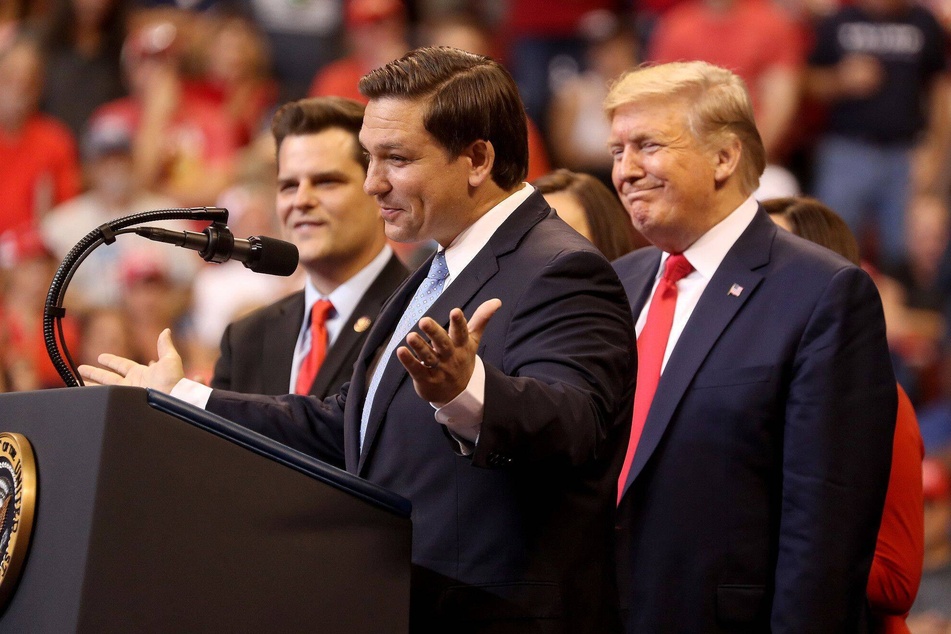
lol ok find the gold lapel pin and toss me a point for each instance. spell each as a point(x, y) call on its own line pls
point(362, 324)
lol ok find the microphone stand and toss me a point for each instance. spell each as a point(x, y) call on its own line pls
point(54, 312)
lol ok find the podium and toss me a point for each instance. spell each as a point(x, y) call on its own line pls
point(154, 516)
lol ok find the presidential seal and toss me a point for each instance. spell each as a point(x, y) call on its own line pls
point(17, 503)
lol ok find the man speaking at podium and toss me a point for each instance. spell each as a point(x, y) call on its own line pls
point(502, 415)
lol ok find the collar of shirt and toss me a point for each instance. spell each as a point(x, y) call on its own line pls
point(344, 298)
point(468, 243)
point(706, 254)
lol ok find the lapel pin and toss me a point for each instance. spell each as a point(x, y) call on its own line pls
point(735, 290)
point(362, 324)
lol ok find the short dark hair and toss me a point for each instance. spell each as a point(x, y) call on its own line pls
point(316, 114)
point(810, 219)
point(470, 98)
point(611, 229)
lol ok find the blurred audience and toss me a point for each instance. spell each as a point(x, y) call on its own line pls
point(236, 78)
point(880, 65)
point(931, 613)
point(578, 127)
point(29, 269)
point(182, 146)
point(591, 209)
point(37, 153)
point(377, 32)
point(83, 49)
point(304, 36)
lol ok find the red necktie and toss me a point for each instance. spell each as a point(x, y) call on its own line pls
point(651, 345)
point(318, 346)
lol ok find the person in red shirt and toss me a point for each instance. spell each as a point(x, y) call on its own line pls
point(377, 32)
point(38, 153)
point(183, 147)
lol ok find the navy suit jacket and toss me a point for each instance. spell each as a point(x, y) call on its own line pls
point(755, 495)
point(257, 351)
point(519, 535)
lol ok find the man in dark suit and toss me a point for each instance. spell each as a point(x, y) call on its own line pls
point(506, 431)
point(755, 477)
point(338, 232)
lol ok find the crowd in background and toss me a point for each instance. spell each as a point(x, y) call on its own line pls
point(112, 107)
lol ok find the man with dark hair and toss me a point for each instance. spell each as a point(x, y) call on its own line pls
point(308, 342)
point(512, 476)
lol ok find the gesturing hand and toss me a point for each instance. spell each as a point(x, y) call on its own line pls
point(160, 375)
point(441, 368)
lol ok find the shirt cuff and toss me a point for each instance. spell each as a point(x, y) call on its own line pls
point(462, 416)
point(192, 392)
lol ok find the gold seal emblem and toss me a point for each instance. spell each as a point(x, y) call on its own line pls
point(362, 324)
point(17, 504)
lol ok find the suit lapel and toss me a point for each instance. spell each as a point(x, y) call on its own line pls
point(459, 294)
point(279, 342)
point(712, 315)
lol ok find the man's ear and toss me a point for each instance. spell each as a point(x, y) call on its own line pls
point(727, 160)
point(481, 156)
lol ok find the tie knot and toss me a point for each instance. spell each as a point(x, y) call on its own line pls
point(439, 270)
point(319, 311)
point(676, 268)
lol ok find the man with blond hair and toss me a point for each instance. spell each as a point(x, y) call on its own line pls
point(753, 483)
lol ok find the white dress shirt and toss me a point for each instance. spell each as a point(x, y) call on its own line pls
point(344, 299)
point(705, 255)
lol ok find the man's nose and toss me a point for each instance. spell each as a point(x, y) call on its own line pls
point(305, 196)
point(628, 166)
point(375, 183)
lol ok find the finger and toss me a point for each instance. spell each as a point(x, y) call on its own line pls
point(165, 346)
point(480, 319)
point(99, 375)
point(416, 370)
point(422, 350)
point(120, 365)
point(458, 328)
point(439, 339)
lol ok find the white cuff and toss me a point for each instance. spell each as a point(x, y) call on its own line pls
point(462, 416)
point(192, 392)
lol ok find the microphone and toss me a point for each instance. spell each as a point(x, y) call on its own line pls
point(216, 243)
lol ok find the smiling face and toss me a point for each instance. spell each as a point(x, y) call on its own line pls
point(422, 192)
point(321, 205)
point(671, 185)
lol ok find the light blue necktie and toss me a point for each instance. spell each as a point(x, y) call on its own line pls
point(426, 294)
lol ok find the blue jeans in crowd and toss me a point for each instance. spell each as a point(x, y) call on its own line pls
point(868, 185)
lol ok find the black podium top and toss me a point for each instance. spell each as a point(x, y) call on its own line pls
point(274, 450)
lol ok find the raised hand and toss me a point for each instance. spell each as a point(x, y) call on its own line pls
point(160, 375)
point(441, 368)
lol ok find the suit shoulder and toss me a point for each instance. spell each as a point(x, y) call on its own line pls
point(806, 259)
point(258, 319)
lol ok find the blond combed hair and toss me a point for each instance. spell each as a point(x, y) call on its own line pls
point(718, 107)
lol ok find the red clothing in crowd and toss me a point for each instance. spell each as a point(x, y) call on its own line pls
point(750, 37)
point(896, 569)
point(40, 170)
point(340, 79)
point(198, 134)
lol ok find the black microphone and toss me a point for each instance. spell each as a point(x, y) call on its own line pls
point(216, 243)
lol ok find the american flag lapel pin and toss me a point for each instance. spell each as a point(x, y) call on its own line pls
point(735, 290)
